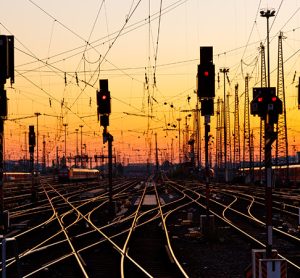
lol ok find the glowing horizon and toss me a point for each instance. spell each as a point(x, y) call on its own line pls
point(150, 62)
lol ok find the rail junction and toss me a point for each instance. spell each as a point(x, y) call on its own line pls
point(155, 229)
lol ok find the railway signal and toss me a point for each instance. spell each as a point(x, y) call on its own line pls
point(207, 106)
point(103, 98)
point(31, 138)
point(206, 94)
point(206, 73)
point(104, 110)
point(6, 72)
point(265, 102)
point(7, 58)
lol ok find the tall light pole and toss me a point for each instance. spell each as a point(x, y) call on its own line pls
point(267, 14)
point(65, 125)
point(37, 114)
point(179, 158)
point(81, 126)
point(269, 130)
point(225, 71)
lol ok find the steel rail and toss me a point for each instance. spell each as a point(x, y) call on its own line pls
point(167, 235)
point(236, 228)
point(109, 239)
point(74, 252)
point(133, 225)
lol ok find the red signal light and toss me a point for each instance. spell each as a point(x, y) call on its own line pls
point(104, 97)
point(260, 99)
point(206, 73)
point(274, 99)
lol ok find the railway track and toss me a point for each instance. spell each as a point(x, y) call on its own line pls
point(250, 226)
point(70, 233)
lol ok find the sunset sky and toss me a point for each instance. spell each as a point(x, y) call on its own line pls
point(149, 51)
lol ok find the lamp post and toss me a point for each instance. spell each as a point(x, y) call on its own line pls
point(37, 114)
point(267, 14)
point(269, 130)
point(225, 71)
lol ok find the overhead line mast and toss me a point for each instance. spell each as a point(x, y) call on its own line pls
point(236, 135)
point(247, 157)
point(262, 122)
point(281, 127)
point(225, 72)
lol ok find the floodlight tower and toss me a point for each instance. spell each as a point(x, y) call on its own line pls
point(267, 14)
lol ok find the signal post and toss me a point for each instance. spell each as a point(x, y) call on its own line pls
point(206, 94)
point(6, 72)
point(267, 106)
point(31, 140)
point(103, 111)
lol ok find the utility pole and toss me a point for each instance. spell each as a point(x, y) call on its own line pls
point(219, 158)
point(229, 152)
point(81, 126)
point(247, 145)
point(65, 125)
point(37, 114)
point(76, 130)
point(25, 146)
point(225, 72)
point(44, 154)
point(156, 154)
point(172, 150)
point(179, 157)
point(263, 83)
point(281, 127)
point(236, 144)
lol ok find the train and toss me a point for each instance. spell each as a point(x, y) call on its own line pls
point(16, 176)
point(282, 174)
point(76, 174)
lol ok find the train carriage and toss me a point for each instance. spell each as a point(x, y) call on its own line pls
point(16, 176)
point(282, 174)
point(75, 174)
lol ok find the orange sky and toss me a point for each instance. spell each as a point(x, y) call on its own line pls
point(124, 47)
